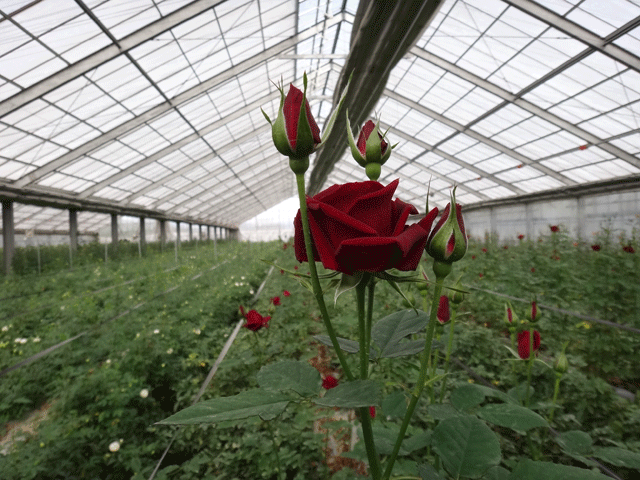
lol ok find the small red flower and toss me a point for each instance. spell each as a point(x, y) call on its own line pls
point(554, 228)
point(506, 247)
point(284, 246)
point(484, 250)
point(575, 244)
point(628, 249)
point(480, 275)
point(533, 270)
point(521, 237)
point(534, 311)
point(276, 301)
point(473, 257)
point(255, 321)
point(372, 412)
point(509, 315)
point(523, 343)
point(329, 382)
point(595, 248)
point(444, 315)
point(286, 293)
point(296, 267)
point(281, 272)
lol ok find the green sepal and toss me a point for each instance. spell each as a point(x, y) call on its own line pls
point(305, 144)
point(354, 147)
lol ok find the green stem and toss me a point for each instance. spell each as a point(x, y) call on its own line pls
point(454, 311)
point(275, 450)
point(422, 376)
point(371, 287)
point(555, 397)
point(365, 419)
point(315, 282)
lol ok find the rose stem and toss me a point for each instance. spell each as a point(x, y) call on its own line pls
point(422, 376)
point(365, 419)
point(454, 311)
point(315, 283)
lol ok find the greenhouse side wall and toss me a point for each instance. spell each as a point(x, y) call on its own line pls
point(581, 218)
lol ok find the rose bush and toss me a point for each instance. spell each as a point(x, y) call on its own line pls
point(358, 227)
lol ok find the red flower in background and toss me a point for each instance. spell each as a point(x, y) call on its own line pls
point(506, 247)
point(554, 228)
point(524, 342)
point(284, 246)
point(533, 270)
point(255, 321)
point(480, 275)
point(628, 249)
point(357, 227)
point(484, 250)
point(286, 293)
point(521, 237)
point(372, 412)
point(595, 248)
point(444, 314)
point(329, 382)
point(276, 301)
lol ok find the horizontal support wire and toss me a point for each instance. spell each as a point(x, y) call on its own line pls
point(213, 370)
point(560, 310)
point(47, 351)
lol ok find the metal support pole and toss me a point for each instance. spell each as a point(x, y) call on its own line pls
point(177, 234)
point(163, 233)
point(208, 232)
point(142, 238)
point(493, 221)
point(73, 230)
point(580, 227)
point(191, 232)
point(8, 237)
point(528, 209)
point(199, 232)
point(114, 231)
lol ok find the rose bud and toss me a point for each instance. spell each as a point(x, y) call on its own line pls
point(255, 321)
point(534, 312)
point(524, 342)
point(562, 364)
point(508, 314)
point(447, 242)
point(444, 315)
point(457, 296)
point(295, 131)
point(554, 228)
point(371, 150)
point(329, 382)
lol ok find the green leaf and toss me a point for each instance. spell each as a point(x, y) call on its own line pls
point(466, 397)
point(530, 470)
point(519, 393)
point(618, 457)
point(575, 442)
point(395, 405)
point(388, 331)
point(403, 349)
point(427, 472)
point(251, 403)
point(300, 377)
point(416, 442)
point(358, 393)
point(347, 282)
point(443, 411)
point(492, 392)
point(496, 473)
point(349, 346)
point(466, 446)
point(511, 416)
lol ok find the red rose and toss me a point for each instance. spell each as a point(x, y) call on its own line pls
point(523, 343)
point(358, 227)
point(276, 301)
point(255, 321)
point(286, 293)
point(329, 382)
point(595, 248)
point(484, 250)
point(628, 249)
point(520, 237)
point(444, 314)
point(372, 412)
point(554, 228)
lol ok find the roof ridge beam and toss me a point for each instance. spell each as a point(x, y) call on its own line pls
point(478, 136)
point(575, 31)
point(105, 54)
point(163, 107)
point(526, 105)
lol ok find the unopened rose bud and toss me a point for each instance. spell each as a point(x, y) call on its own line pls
point(444, 314)
point(447, 242)
point(457, 296)
point(562, 364)
point(371, 150)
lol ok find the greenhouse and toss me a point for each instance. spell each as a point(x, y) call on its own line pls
point(320, 239)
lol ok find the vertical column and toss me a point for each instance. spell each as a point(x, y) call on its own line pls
point(528, 210)
point(163, 232)
point(177, 233)
point(580, 227)
point(215, 233)
point(143, 235)
point(8, 240)
point(191, 234)
point(493, 223)
point(114, 230)
point(209, 234)
point(73, 230)
point(199, 232)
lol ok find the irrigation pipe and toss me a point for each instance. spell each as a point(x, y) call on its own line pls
point(560, 310)
point(213, 370)
point(47, 351)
